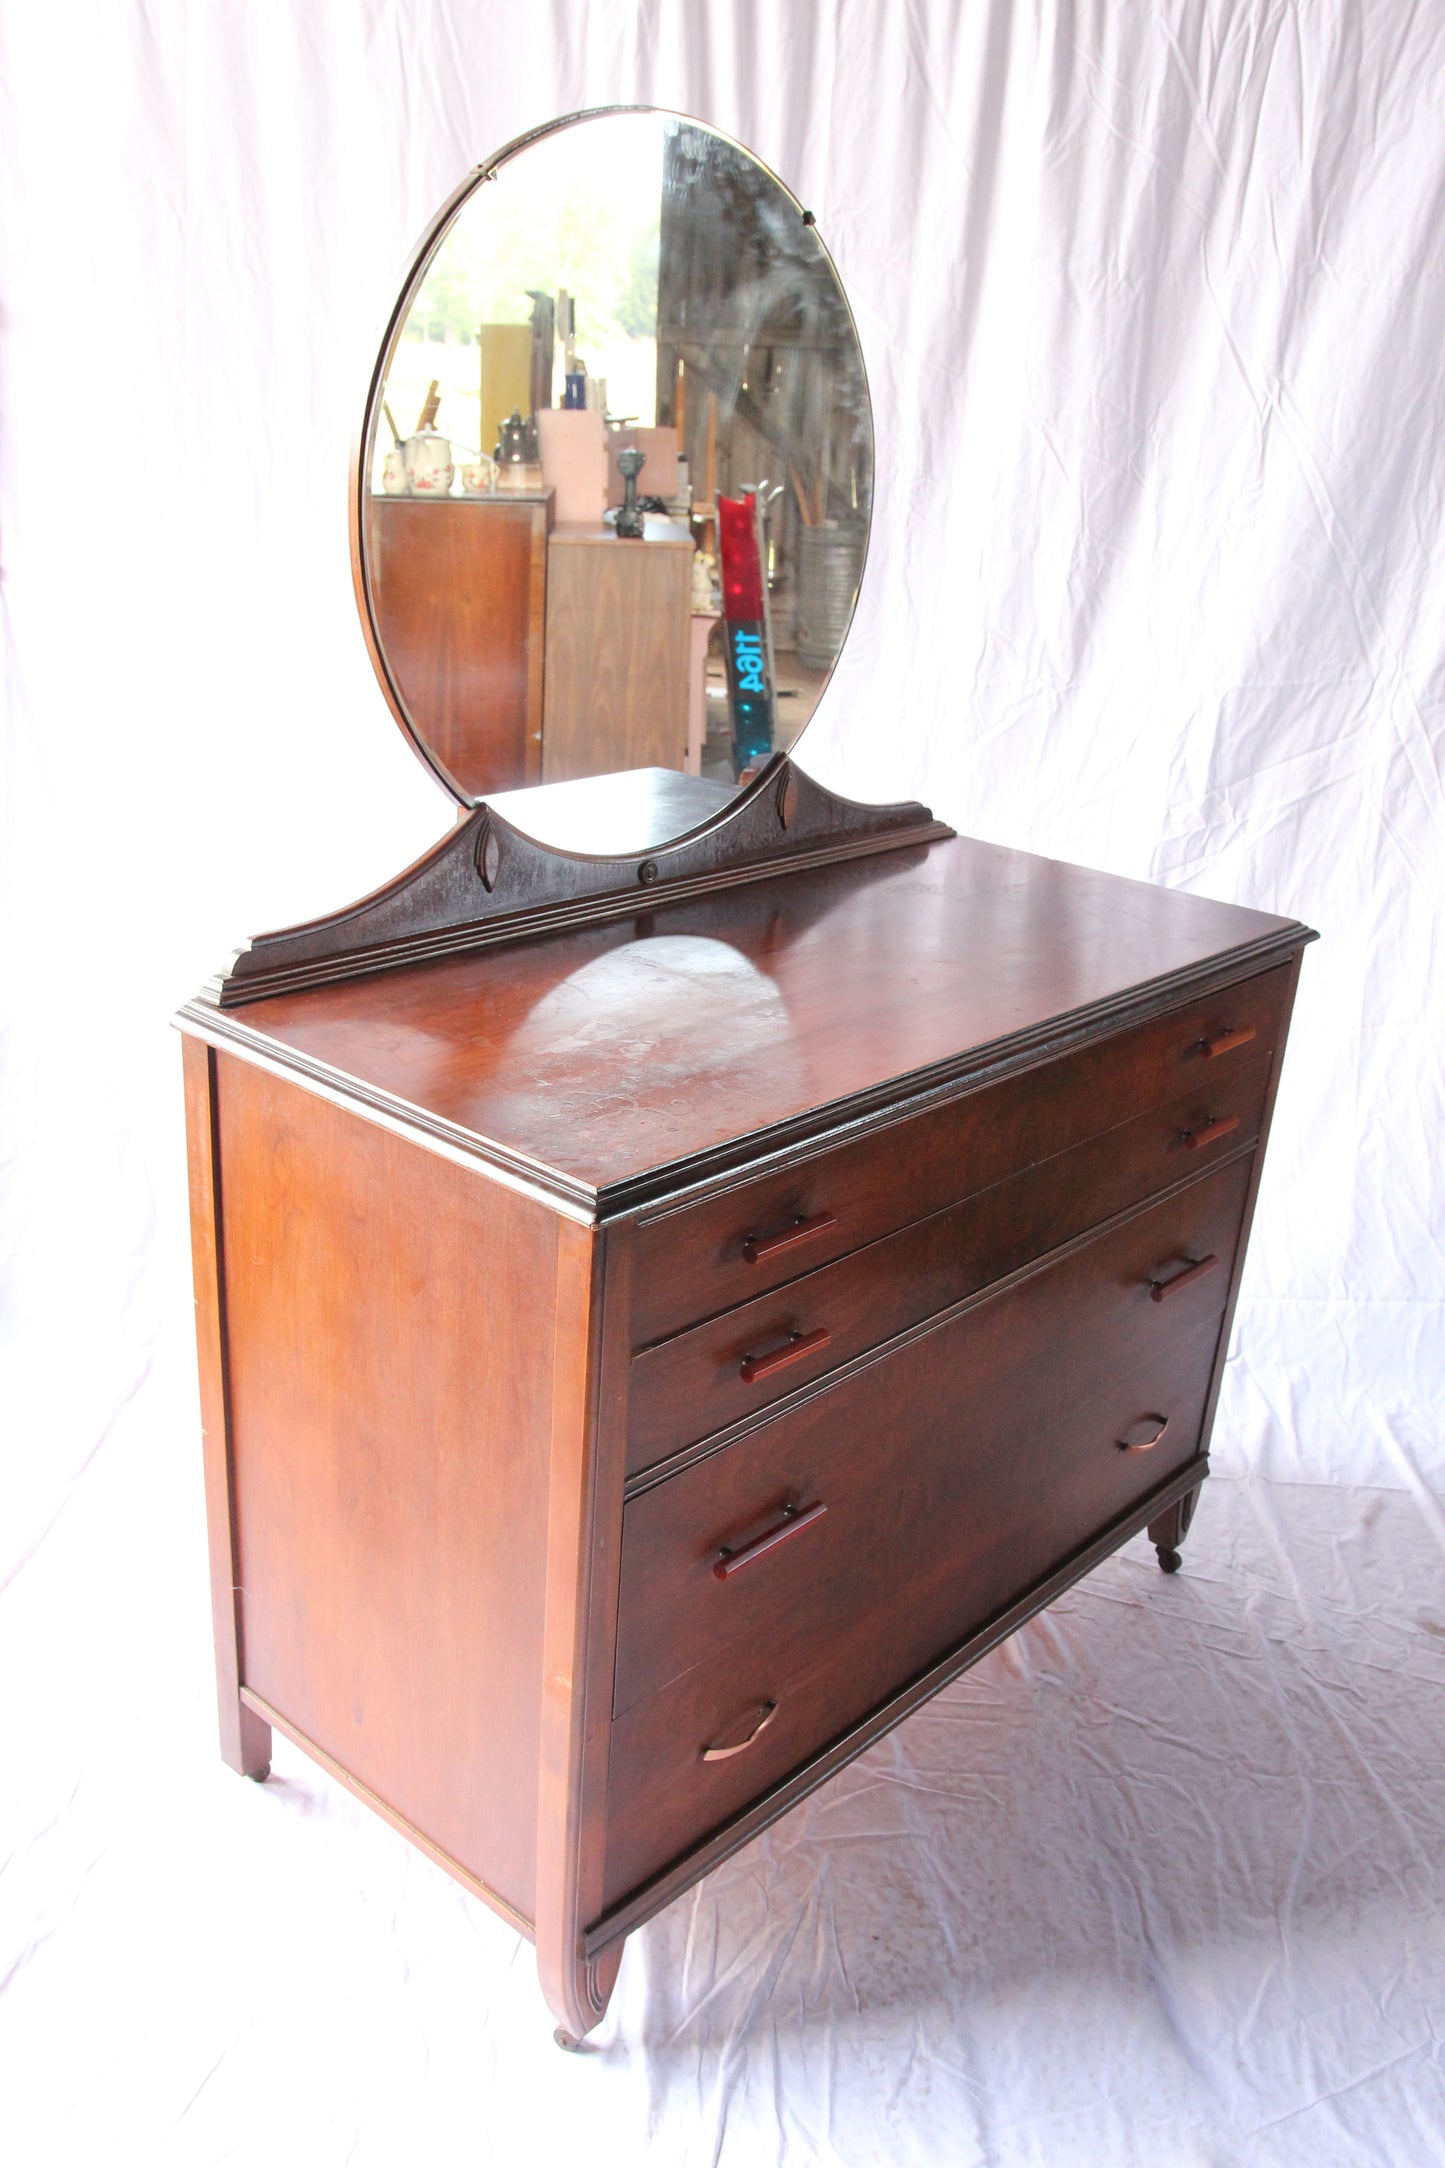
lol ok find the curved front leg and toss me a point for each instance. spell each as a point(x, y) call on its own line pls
point(578, 1993)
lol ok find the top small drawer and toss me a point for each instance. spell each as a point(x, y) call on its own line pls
point(699, 1259)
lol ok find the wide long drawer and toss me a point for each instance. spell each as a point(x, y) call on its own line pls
point(909, 1425)
point(950, 1500)
point(697, 1260)
point(721, 1371)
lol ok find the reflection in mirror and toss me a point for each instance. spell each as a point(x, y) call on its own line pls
point(617, 473)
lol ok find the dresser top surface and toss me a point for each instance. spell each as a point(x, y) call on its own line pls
point(637, 1053)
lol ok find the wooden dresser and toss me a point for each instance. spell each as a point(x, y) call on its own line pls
point(641, 1363)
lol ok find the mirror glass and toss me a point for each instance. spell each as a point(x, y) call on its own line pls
point(615, 480)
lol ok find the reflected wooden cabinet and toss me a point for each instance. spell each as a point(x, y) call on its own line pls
point(527, 652)
point(461, 585)
point(640, 1365)
point(619, 653)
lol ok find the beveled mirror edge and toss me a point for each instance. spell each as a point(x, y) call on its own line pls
point(364, 437)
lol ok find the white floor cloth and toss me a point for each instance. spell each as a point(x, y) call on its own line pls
point(1153, 303)
point(1158, 1885)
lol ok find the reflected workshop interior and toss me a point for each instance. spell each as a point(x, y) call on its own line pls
point(619, 472)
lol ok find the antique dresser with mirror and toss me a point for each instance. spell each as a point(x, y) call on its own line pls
point(692, 1263)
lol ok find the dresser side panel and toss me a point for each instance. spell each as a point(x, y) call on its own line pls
point(390, 1361)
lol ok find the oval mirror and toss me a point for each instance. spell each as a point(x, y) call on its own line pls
point(612, 498)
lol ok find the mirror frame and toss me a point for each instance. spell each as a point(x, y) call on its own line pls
point(363, 441)
point(488, 882)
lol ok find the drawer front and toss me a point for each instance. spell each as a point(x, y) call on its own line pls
point(700, 1381)
point(700, 1259)
point(972, 1498)
point(901, 1432)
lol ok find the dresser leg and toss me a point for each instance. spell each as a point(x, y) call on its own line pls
point(245, 1741)
point(580, 2000)
point(1168, 1532)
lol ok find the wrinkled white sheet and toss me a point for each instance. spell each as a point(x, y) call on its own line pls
point(1153, 301)
point(1160, 1884)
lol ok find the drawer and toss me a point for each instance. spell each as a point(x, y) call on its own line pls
point(948, 1497)
point(697, 1260)
point(882, 1449)
point(719, 1372)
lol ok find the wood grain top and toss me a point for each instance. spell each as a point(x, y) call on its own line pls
point(620, 1062)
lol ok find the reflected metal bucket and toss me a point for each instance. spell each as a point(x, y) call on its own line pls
point(830, 564)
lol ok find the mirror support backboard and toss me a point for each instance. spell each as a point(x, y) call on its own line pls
point(486, 882)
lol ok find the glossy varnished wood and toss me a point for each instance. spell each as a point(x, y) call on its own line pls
point(622, 1062)
point(1053, 1341)
point(959, 1491)
point(660, 1890)
point(695, 1383)
point(392, 1443)
point(695, 1261)
point(482, 1307)
point(490, 883)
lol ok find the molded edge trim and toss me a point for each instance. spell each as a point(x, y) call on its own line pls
point(200, 1019)
point(445, 903)
point(741, 1161)
point(750, 1157)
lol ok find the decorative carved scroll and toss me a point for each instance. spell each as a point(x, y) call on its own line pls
point(487, 882)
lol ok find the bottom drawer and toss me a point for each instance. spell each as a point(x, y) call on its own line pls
point(972, 1499)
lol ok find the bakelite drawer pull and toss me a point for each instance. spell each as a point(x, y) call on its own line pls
point(1143, 1436)
point(1194, 1140)
point(1227, 1042)
point(801, 1344)
point(794, 1519)
point(1158, 1289)
point(802, 1230)
point(726, 1753)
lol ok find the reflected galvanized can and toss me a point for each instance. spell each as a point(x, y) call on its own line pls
point(830, 564)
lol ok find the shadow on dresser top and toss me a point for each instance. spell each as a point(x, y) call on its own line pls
point(610, 1066)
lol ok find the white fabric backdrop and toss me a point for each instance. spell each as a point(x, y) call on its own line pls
point(1152, 300)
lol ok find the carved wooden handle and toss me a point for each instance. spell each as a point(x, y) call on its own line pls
point(1227, 1042)
point(801, 1344)
point(794, 1520)
point(1157, 1425)
point(1194, 1140)
point(802, 1230)
point(1158, 1289)
point(726, 1753)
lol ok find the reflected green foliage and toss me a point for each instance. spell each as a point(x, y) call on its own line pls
point(637, 308)
point(546, 224)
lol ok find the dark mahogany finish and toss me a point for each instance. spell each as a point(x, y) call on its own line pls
point(691, 1384)
point(490, 882)
point(640, 1364)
